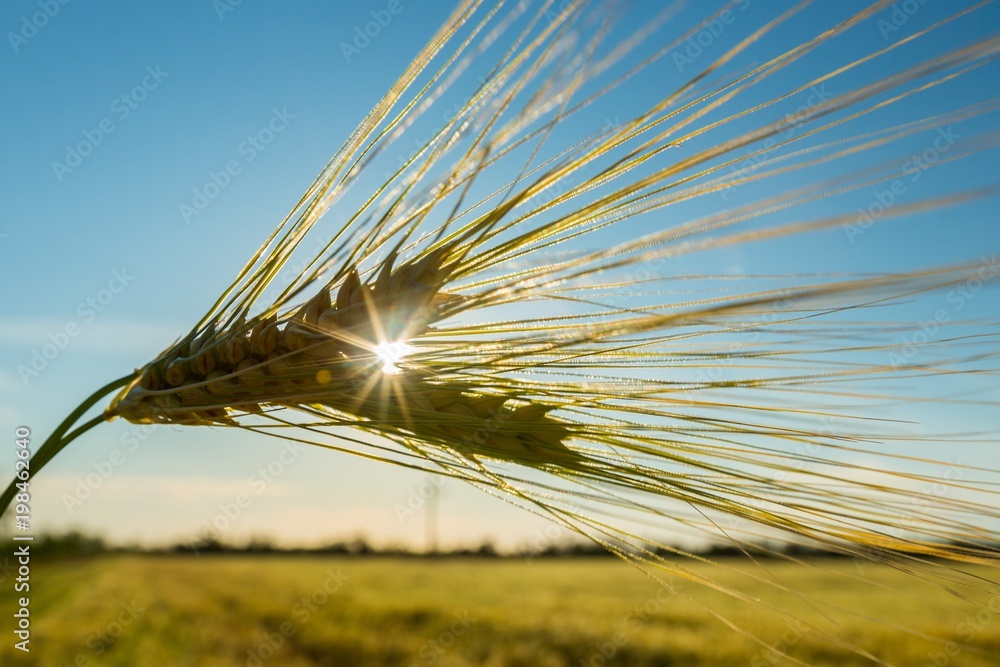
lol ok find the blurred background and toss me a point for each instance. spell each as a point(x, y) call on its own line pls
point(149, 150)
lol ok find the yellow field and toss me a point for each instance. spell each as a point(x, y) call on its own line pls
point(296, 611)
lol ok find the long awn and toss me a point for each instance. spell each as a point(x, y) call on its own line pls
point(503, 308)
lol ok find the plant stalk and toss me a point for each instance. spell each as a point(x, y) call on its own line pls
point(59, 438)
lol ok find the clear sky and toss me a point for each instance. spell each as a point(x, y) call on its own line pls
point(103, 257)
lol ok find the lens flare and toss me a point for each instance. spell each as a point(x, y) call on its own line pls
point(391, 354)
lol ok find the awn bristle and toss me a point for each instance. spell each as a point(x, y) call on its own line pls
point(599, 387)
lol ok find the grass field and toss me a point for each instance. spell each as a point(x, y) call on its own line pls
point(295, 611)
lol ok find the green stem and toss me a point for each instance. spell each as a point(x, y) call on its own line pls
point(59, 439)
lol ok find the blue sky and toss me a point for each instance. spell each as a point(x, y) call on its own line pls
point(103, 257)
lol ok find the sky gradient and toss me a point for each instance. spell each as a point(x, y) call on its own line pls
point(200, 126)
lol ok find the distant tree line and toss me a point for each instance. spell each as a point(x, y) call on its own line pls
point(79, 545)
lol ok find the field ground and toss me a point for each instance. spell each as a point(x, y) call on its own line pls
point(309, 610)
